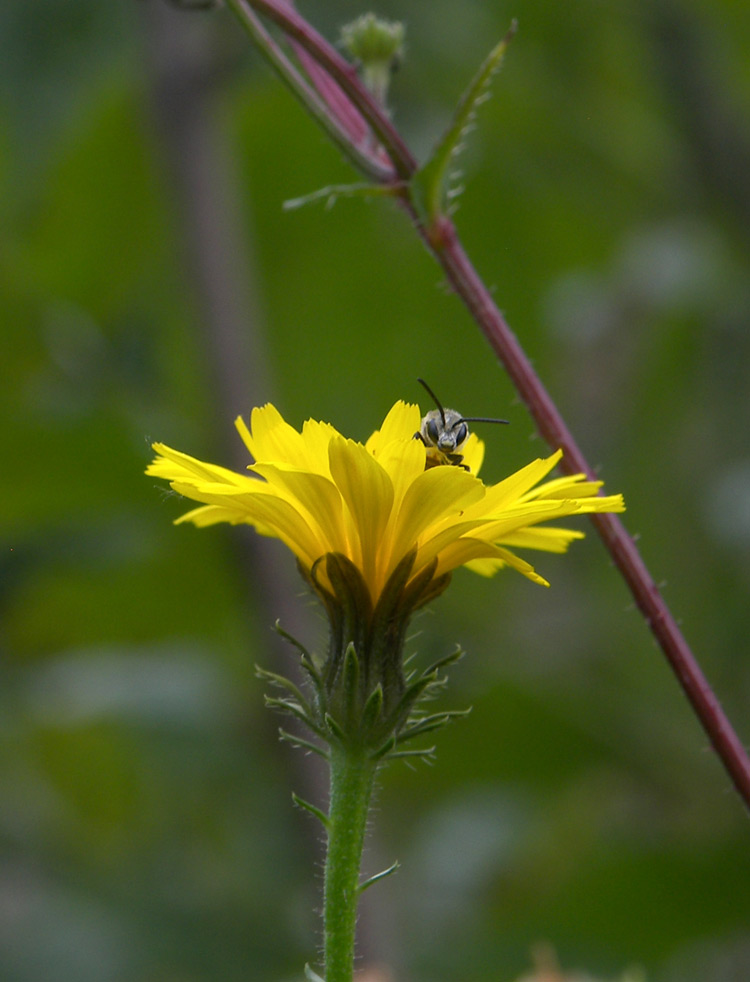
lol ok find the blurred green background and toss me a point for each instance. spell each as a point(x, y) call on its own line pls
point(151, 287)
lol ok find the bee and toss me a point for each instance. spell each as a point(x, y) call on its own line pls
point(444, 432)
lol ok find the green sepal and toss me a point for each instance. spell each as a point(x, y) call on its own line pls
point(430, 183)
point(301, 744)
point(390, 620)
point(429, 723)
point(311, 976)
point(335, 729)
point(351, 683)
point(288, 706)
point(320, 815)
point(427, 754)
point(378, 876)
point(283, 683)
point(423, 588)
point(407, 700)
point(324, 595)
point(456, 655)
point(291, 639)
point(391, 597)
point(372, 709)
point(310, 576)
point(314, 674)
point(385, 749)
point(422, 687)
point(306, 659)
point(333, 192)
point(432, 590)
point(349, 587)
point(349, 611)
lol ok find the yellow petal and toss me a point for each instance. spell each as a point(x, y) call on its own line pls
point(499, 496)
point(569, 486)
point(264, 509)
point(463, 551)
point(368, 493)
point(432, 545)
point(317, 437)
point(601, 503)
point(483, 558)
point(401, 423)
point(317, 495)
point(403, 461)
point(207, 515)
point(490, 566)
point(547, 539)
point(272, 437)
point(503, 522)
point(436, 493)
point(175, 466)
point(245, 434)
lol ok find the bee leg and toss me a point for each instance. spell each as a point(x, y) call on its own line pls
point(418, 436)
point(455, 460)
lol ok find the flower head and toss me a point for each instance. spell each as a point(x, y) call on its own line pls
point(377, 530)
point(376, 503)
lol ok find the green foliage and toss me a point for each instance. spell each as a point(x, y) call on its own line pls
point(145, 827)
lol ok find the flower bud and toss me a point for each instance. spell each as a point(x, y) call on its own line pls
point(378, 46)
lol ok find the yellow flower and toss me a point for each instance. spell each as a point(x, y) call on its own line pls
point(375, 503)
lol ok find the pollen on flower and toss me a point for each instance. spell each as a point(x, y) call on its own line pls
point(375, 503)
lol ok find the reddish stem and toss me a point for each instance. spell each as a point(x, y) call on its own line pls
point(442, 240)
point(467, 284)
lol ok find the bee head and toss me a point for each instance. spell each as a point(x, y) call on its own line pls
point(446, 429)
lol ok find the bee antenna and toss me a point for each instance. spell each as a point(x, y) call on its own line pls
point(434, 398)
point(479, 419)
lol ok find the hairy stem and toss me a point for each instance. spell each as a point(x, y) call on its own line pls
point(352, 774)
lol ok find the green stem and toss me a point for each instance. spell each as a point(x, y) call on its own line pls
point(352, 775)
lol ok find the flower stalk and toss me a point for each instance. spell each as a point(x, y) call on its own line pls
point(352, 776)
